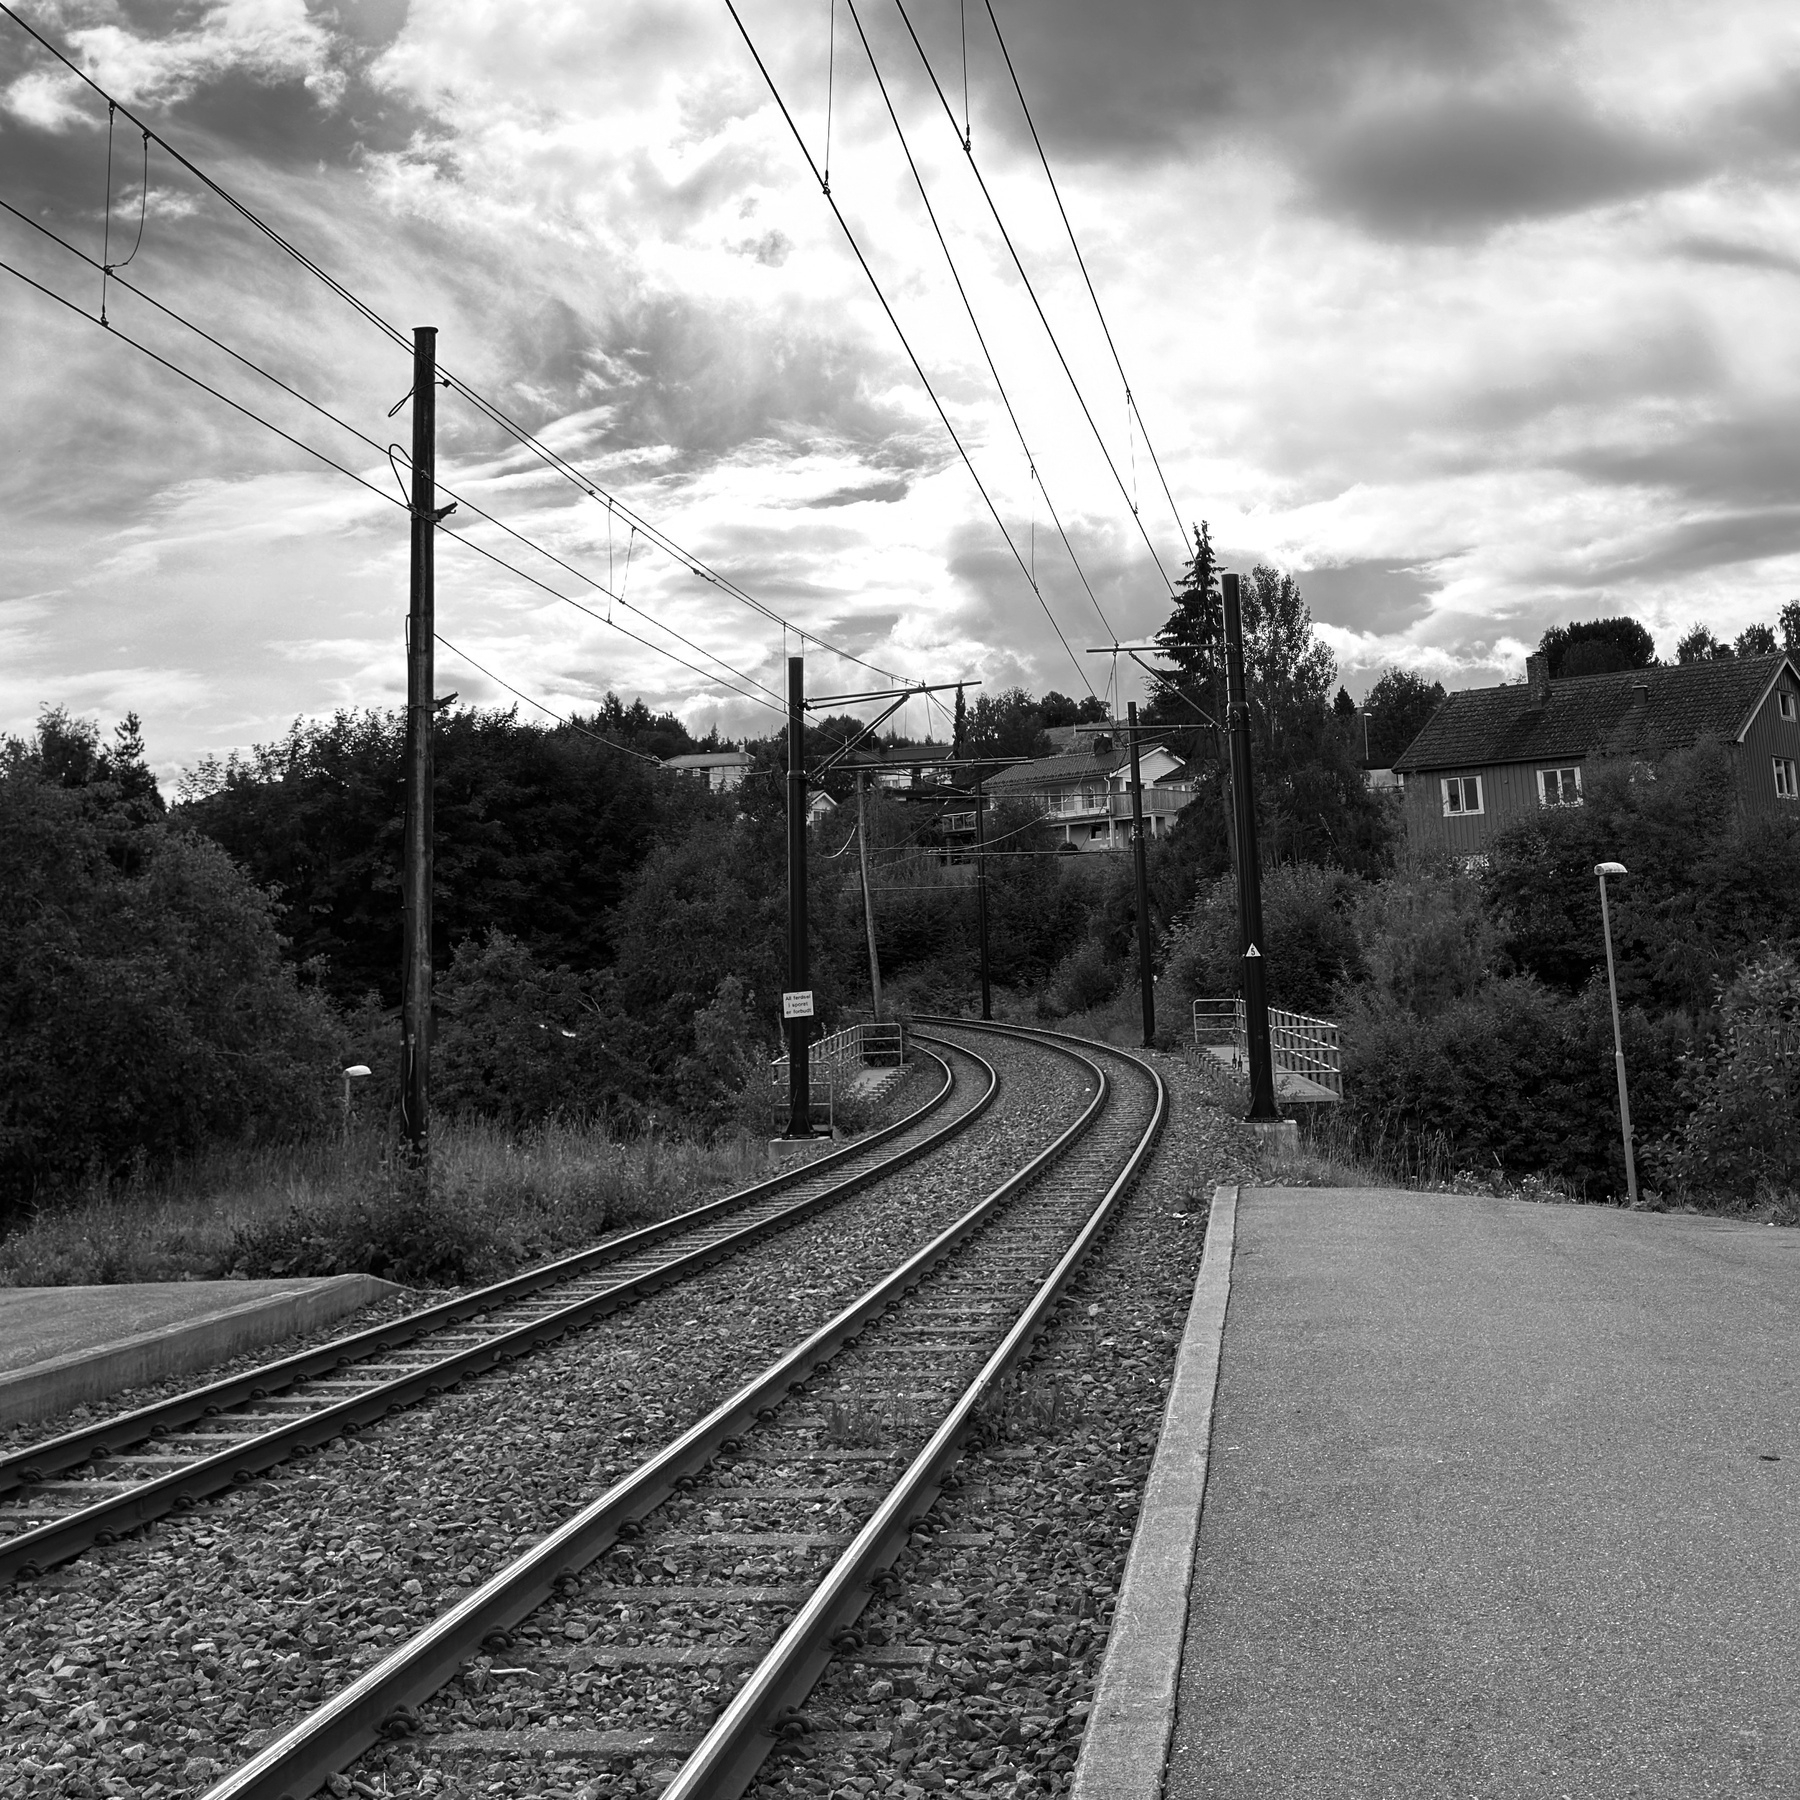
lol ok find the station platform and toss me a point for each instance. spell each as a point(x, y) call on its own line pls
point(1291, 1087)
point(1501, 1500)
point(60, 1346)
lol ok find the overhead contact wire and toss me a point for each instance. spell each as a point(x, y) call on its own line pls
point(520, 694)
point(364, 310)
point(1030, 289)
point(696, 565)
point(367, 312)
point(905, 342)
point(392, 452)
point(974, 323)
point(205, 387)
point(1081, 263)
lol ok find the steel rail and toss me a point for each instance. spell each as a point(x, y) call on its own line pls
point(380, 1702)
point(34, 1462)
point(766, 1706)
point(29, 1553)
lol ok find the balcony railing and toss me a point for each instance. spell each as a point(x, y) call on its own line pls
point(1111, 803)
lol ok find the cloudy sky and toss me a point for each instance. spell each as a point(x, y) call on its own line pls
point(1480, 315)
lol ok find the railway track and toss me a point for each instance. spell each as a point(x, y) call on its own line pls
point(92, 1486)
point(683, 1617)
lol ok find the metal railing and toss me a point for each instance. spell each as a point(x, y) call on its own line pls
point(1299, 1044)
point(834, 1059)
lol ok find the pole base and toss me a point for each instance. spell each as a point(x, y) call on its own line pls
point(1279, 1138)
point(786, 1152)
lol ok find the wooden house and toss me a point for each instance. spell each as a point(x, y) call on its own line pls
point(1493, 756)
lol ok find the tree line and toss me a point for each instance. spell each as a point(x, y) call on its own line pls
point(610, 937)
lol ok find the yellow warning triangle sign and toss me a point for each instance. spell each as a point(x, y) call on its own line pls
point(1253, 951)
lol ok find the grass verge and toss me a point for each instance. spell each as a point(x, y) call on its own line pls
point(496, 1203)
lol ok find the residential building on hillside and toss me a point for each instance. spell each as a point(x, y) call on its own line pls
point(1493, 756)
point(902, 765)
point(723, 771)
point(1084, 792)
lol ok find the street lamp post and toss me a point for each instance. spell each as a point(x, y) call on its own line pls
point(1603, 870)
point(355, 1072)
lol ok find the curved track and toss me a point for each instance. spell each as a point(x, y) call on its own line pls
point(210, 1438)
point(662, 1655)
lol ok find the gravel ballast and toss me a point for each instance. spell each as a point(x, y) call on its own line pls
point(147, 1668)
point(1018, 1626)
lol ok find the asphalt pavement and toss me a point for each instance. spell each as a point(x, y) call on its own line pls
point(1502, 1502)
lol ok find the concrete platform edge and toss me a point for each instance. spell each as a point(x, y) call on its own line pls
point(1126, 1745)
point(51, 1387)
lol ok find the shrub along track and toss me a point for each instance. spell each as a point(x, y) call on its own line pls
point(144, 1671)
point(230, 1431)
point(793, 1480)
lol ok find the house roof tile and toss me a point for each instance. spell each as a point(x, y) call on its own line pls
point(710, 759)
point(1055, 771)
point(1593, 713)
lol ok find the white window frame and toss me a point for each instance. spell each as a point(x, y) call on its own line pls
point(1786, 704)
point(1544, 776)
point(1785, 779)
point(1462, 809)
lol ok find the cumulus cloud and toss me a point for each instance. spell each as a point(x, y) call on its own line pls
point(1458, 165)
point(1471, 314)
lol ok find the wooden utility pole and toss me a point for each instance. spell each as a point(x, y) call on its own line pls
point(797, 1002)
point(981, 918)
point(1146, 979)
point(415, 965)
point(1249, 874)
point(862, 852)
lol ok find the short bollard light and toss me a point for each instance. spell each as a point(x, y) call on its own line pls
point(355, 1072)
point(1603, 870)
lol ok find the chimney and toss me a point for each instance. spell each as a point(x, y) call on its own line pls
point(1537, 677)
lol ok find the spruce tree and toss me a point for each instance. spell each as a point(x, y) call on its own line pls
point(1195, 633)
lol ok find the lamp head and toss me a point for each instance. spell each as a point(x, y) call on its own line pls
point(1605, 869)
point(356, 1069)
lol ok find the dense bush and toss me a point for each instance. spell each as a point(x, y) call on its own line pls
point(516, 1042)
point(145, 1006)
point(1740, 1139)
point(1516, 1078)
point(389, 1226)
point(1309, 925)
point(1423, 938)
point(1084, 978)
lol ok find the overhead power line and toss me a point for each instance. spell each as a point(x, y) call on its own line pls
point(577, 478)
point(1081, 261)
point(561, 719)
point(975, 324)
point(237, 206)
point(905, 342)
point(706, 675)
point(205, 387)
point(381, 493)
point(1030, 289)
point(369, 313)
